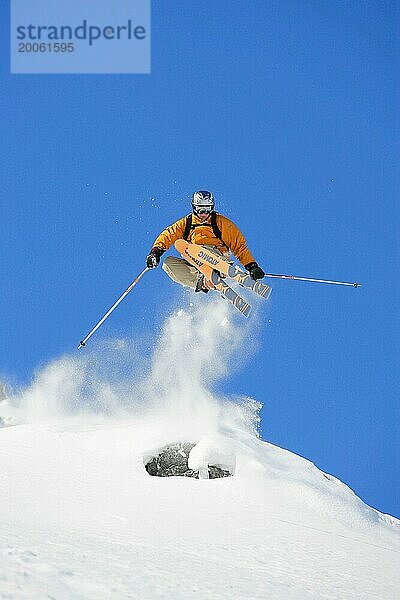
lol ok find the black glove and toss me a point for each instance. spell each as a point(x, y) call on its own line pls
point(153, 259)
point(255, 271)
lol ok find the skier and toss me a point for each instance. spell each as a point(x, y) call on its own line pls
point(216, 235)
point(207, 228)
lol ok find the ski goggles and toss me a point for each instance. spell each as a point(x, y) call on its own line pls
point(202, 210)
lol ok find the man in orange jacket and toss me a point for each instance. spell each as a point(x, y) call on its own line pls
point(207, 228)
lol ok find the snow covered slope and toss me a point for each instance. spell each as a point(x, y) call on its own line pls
point(81, 518)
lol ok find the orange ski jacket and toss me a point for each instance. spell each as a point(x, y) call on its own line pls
point(202, 233)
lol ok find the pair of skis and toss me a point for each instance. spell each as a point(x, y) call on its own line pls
point(216, 269)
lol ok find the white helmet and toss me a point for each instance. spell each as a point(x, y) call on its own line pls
point(202, 202)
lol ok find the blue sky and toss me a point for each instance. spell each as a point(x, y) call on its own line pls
point(286, 111)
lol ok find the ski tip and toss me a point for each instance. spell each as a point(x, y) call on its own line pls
point(356, 284)
point(81, 345)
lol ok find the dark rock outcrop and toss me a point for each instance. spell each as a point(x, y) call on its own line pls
point(172, 460)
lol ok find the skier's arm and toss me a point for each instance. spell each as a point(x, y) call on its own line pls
point(234, 238)
point(164, 241)
point(170, 235)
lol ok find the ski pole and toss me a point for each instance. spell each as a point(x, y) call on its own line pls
point(108, 313)
point(355, 284)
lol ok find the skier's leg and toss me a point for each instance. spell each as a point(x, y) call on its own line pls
point(180, 271)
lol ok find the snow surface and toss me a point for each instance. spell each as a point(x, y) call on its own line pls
point(81, 518)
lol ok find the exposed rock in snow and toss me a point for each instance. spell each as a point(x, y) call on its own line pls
point(172, 460)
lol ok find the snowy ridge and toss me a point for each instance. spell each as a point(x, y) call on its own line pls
point(81, 518)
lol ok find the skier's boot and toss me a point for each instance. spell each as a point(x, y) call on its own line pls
point(203, 285)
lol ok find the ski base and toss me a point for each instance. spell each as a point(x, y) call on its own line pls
point(199, 253)
point(230, 294)
point(214, 276)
